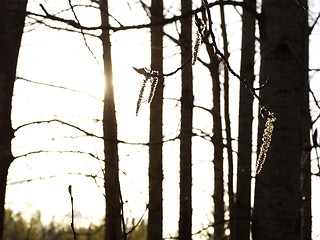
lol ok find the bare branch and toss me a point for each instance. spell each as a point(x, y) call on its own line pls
point(300, 5)
point(53, 176)
point(314, 98)
point(59, 121)
point(72, 213)
point(42, 22)
point(91, 134)
point(314, 24)
point(139, 221)
point(314, 121)
point(141, 26)
point(61, 87)
point(217, 50)
point(51, 151)
point(83, 35)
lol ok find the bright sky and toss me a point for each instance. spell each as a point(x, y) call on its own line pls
point(61, 58)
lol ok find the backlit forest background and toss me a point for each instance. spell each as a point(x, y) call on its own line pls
point(153, 119)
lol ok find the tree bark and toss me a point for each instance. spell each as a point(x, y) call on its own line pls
point(113, 217)
point(284, 45)
point(306, 213)
point(306, 206)
point(185, 218)
point(217, 142)
point(243, 196)
point(155, 214)
point(12, 17)
point(228, 124)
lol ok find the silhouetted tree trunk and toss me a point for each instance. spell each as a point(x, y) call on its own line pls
point(12, 17)
point(185, 220)
point(218, 148)
point(306, 213)
point(306, 210)
point(113, 215)
point(284, 55)
point(217, 142)
point(155, 150)
point(228, 124)
point(243, 196)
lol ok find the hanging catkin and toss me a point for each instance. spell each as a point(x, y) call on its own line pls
point(266, 140)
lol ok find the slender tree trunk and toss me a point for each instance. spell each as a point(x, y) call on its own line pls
point(185, 220)
point(113, 217)
point(228, 124)
point(12, 17)
point(155, 213)
point(243, 197)
point(284, 55)
point(217, 141)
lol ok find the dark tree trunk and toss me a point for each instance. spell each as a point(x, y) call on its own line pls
point(217, 142)
point(113, 217)
point(284, 55)
point(306, 213)
point(306, 210)
point(228, 125)
point(243, 197)
point(12, 16)
point(185, 220)
point(155, 214)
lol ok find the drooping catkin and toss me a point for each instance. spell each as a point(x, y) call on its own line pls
point(152, 76)
point(154, 82)
point(266, 140)
point(198, 41)
point(141, 95)
point(196, 48)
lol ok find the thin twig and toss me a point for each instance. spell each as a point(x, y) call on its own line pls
point(72, 214)
point(218, 52)
point(164, 74)
point(262, 85)
point(124, 230)
point(213, 43)
point(81, 29)
point(61, 87)
point(300, 5)
point(141, 26)
point(314, 24)
point(314, 98)
point(139, 221)
point(55, 176)
point(59, 121)
point(52, 151)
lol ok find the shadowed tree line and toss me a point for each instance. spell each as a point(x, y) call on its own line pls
point(17, 228)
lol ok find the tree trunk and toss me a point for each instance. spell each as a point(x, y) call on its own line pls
point(243, 197)
point(284, 45)
point(12, 16)
point(306, 213)
point(306, 210)
point(155, 213)
point(218, 148)
point(113, 215)
point(185, 220)
point(217, 141)
point(228, 124)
